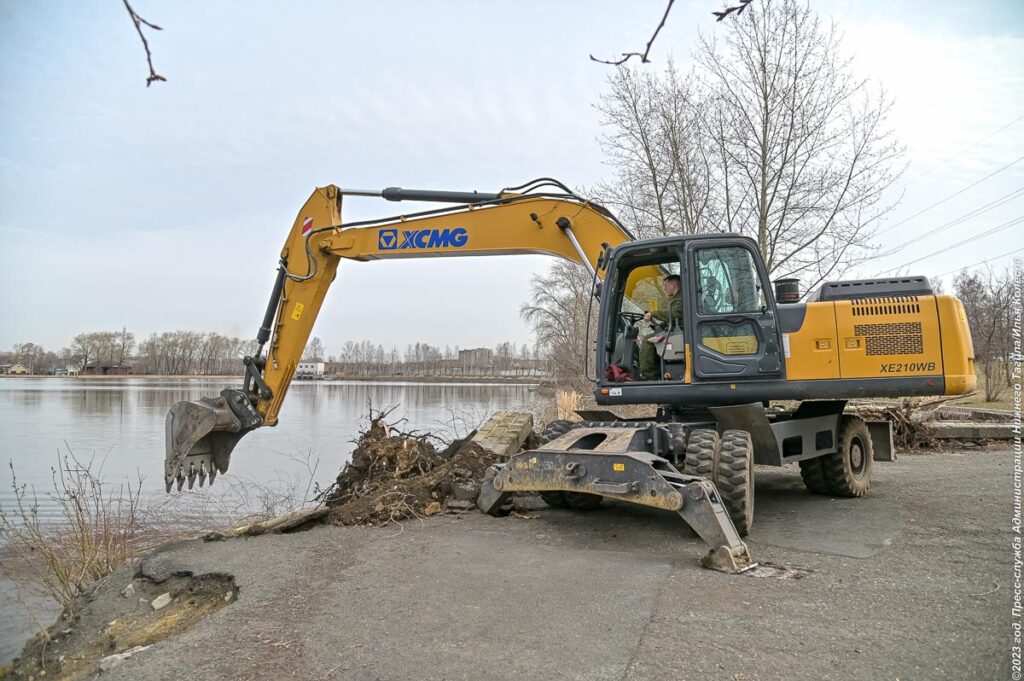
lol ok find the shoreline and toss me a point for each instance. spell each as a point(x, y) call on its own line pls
point(509, 380)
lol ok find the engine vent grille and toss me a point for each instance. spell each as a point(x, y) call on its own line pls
point(893, 305)
point(899, 338)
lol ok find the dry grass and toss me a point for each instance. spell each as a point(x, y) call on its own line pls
point(97, 528)
point(60, 542)
point(567, 402)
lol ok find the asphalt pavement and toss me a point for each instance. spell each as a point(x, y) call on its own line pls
point(911, 582)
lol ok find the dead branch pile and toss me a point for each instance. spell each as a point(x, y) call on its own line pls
point(909, 425)
point(395, 476)
point(911, 419)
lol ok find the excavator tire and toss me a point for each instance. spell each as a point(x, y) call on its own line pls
point(848, 471)
point(701, 452)
point(735, 478)
point(727, 461)
point(814, 476)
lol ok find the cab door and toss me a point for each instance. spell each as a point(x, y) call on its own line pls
point(733, 332)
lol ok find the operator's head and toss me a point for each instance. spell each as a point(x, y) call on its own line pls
point(672, 284)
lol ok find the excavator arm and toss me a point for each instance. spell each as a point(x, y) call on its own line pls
point(202, 434)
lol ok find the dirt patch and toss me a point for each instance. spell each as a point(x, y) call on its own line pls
point(396, 476)
point(118, 620)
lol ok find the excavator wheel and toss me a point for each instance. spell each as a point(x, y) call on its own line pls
point(701, 452)
point(574, 500)
point(727, 461)
point(848, 471)
point(814, 476)
point(735, 478)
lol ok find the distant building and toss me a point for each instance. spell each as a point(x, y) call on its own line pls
point(107, 370)
point(476, 357)
point(18, 369)
point(310, 370)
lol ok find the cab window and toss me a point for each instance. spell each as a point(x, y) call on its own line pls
point(727, 282)
point(639, 288)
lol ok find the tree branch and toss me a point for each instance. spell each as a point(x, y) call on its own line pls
point(139, 21)
point(626, 56)
point(729, 10)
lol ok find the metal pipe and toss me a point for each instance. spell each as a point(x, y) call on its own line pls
point(399, 194)
point(565, 225)
point(268, 317)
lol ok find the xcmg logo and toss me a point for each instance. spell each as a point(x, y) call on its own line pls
point(388, 239)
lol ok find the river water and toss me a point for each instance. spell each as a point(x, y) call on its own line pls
point(119, 424)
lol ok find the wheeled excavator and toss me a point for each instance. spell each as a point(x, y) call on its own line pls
point(738, 348)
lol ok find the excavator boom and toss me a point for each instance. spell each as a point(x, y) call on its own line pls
point(202, 434)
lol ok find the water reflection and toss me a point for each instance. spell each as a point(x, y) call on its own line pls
point(122, 422)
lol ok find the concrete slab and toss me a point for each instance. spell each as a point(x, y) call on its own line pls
point(504, 433)
point(949, 430)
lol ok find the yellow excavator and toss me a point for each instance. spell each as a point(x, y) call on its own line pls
point(719, 359)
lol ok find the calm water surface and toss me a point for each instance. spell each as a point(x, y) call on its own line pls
point(120, 422)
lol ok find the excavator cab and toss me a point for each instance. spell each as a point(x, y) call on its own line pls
point(727, 333)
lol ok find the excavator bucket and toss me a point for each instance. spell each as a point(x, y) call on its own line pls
point(201, 435)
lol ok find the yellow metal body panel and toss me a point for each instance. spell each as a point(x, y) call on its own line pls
point(489, 230)
point(812, 352)
point(888, 337)
point(300, 301)
point(957, 347)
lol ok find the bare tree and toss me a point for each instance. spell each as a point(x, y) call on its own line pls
point(987, 303)
point(664, 164)
point(315, 351)
point(801, 137)
point(559, 312)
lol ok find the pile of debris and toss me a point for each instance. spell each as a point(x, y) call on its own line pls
point(931, 423)
point(395, 476)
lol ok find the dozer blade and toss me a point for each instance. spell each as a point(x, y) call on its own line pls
point(616, 468)
point(202, 433)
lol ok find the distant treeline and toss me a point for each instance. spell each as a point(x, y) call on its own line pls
point(196, 353)
point(422, 359)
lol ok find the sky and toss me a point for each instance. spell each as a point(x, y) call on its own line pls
point(165, 208)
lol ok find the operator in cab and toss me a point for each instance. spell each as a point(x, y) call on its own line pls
point(671, 319)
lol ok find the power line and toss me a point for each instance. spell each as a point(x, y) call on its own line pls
point(1005, 225)
point(953, 195)
point(980, 262)
point(995, 203)
point(960, 153)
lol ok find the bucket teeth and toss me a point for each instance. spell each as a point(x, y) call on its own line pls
point(201, 434)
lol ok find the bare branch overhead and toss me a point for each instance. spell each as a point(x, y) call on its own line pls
point(729, 10)
point(139, 22)
point(626, 56)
